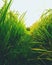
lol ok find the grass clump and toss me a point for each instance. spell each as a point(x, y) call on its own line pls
point(42, 37)
point(13, 37)
point(24, 46)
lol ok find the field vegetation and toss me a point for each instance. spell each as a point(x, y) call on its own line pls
point(24, 46)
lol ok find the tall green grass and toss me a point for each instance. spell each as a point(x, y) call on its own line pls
point(13, 37)
point(24, 46)
point(41, 33)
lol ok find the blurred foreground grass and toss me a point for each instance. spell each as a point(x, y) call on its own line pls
point(23, 46)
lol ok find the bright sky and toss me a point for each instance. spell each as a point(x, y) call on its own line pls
point(34, 8)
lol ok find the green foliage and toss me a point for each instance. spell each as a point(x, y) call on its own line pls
point(24, 46)
point(42, 37)
point(13, 37)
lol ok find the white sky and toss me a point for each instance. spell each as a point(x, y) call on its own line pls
point(34, 8)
